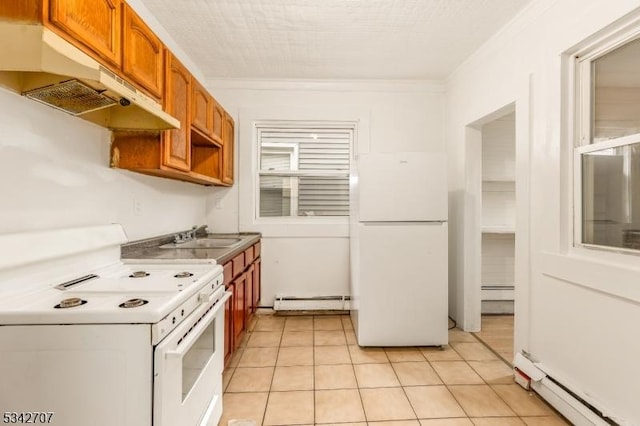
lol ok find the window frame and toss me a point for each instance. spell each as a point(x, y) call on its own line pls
point(301, 126)
point(581, 71)
point(293, 159)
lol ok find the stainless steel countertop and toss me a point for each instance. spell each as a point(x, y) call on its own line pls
point(149, 248)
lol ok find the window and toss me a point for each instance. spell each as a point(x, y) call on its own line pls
point(607, 154)
point(303, 170)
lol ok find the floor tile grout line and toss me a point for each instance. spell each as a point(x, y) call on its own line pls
point(266, 405)
point(498, 395)
point(486, 345)
point(448, 386)
point(468, 365)
point(364, 411)
point(509, 405)
point(313, 365)
point(490, 386)
point(459, 404)
point(415, 413)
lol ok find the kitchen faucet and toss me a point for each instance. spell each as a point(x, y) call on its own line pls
point(183, 237)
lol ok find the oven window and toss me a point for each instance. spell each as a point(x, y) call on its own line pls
point(196, 359)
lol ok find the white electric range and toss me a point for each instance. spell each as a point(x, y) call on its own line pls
point(88, 339)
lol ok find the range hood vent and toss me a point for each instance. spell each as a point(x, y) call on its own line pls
point(71, 96)
point(42, 66)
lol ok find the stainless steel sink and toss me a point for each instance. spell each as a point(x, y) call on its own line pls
point(204, 243)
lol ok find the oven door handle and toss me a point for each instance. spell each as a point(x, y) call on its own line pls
point(194, 334)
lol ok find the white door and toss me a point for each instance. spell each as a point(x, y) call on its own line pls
point(405, 186)
point(403, 288)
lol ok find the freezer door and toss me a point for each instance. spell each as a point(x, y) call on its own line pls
point(403, 285)
point(407, 186)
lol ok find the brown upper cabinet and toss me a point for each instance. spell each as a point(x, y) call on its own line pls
point(218, 120)
point(201, 150)
point(227, 150)
point(26, 12)
point(202, 110)
point(92, 25)
point(142, 54)
point(176, 144)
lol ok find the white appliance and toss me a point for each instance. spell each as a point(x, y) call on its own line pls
point(399, 239)
point(89, 339)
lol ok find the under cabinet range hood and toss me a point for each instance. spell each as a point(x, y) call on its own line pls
point(42, 66)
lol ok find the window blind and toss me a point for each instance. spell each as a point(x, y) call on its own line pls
point(314, 180)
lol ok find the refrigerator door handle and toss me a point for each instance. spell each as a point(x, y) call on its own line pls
point(408, 223)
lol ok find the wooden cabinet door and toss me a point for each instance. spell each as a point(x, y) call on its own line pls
point(176, 143)
point(94, 25)
point(227, 150)
point(30, 11)
point(202, 110)
point(227, 271)
point(256, 284)
point(248, 296)
point(239, 310)
point(142, 54)
point(228, 325)
point(218, 122)
point(238, 263)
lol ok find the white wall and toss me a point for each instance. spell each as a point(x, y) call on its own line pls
point(499, 149)
point(576, 312)
point(54, 172)
point(399, 117)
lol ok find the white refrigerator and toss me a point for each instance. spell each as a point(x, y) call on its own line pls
point(399, 244)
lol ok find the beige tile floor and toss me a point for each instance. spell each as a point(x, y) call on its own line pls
point(306, 370)
point(497, 333)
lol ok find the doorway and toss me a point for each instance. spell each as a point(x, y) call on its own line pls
point(496, 265)
point(498, 234)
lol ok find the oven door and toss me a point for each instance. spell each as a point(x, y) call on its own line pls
point(188, 364)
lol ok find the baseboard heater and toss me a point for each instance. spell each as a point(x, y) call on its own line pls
point(317, 303)
point(577, 409)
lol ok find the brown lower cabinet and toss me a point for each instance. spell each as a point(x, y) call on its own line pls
point(256, 283)
point(228, 324)
point(249, 308)
point(242, 280)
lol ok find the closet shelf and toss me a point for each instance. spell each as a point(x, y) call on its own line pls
point(505, 229)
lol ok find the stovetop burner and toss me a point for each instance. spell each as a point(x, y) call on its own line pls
point(184, 274)
point(71, 302)
point(133, 303)
point(87, 283)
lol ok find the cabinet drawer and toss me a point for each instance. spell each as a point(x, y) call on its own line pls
point(238, 264)
point(256, 250)
point(227, 271)
point(248, 256)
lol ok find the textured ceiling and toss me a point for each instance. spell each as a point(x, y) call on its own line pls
point(331, 39)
